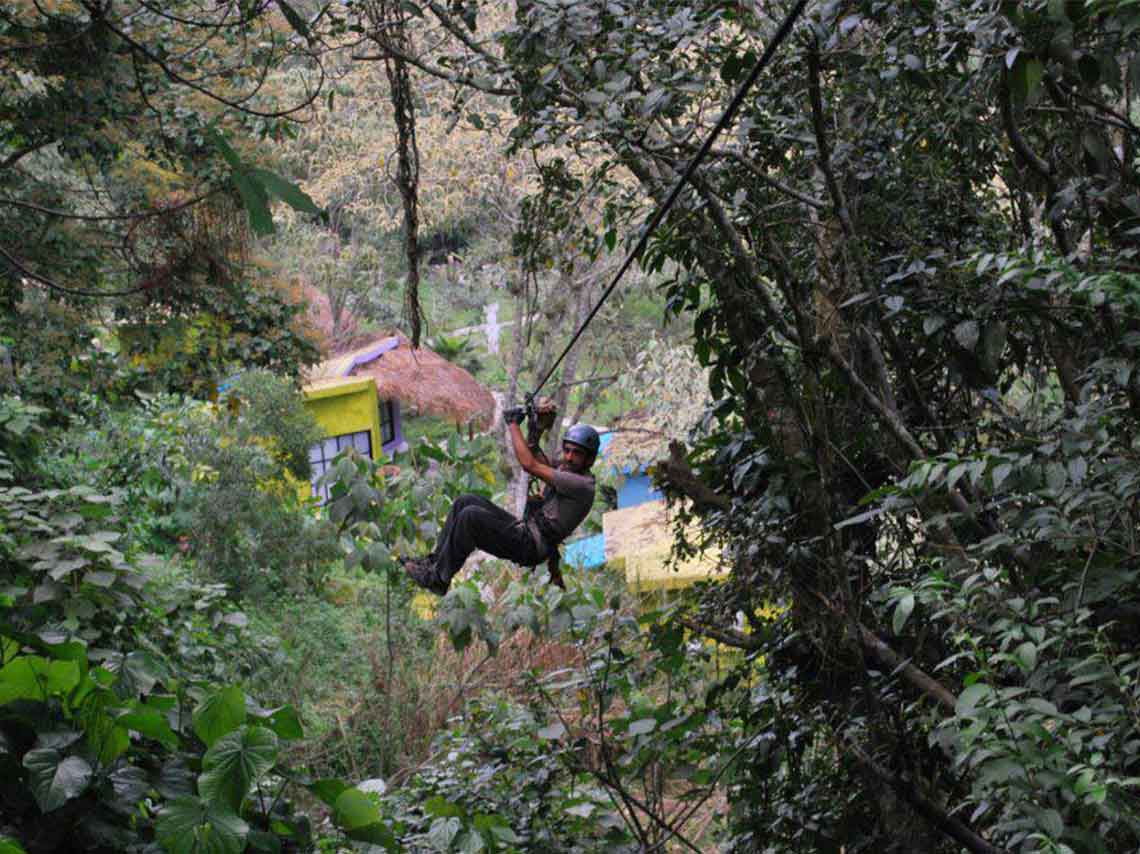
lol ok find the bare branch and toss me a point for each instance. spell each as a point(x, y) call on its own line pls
point(762, 176)
point(55, 286)
point(175, 77)
point(133, 215)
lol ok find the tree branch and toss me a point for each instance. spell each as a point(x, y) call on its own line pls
point(676, 473)
point(762, 176)
point(16, 156)
point(55, 286)
point(175, 77)
point(928, 810)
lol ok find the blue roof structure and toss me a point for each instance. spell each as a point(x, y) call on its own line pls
point(586, 553)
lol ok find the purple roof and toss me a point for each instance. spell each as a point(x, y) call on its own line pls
point(371, 355)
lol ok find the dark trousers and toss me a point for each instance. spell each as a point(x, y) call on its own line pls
point(476, 523)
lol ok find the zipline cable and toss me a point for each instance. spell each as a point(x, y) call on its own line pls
point(659, 214)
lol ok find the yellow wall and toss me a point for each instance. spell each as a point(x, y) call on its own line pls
point(642, 537)
point(346, 407)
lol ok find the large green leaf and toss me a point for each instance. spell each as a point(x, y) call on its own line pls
point(10, 846)
point(359, 817)
point(141, 671)
point(282, 720)
point(189, 826)
point(54, 778)
point(286, 191)
point(256, 202)
point(174, 780)
point(219, 714)
point(236, 762)
point(328, 789)
point(260, 842)
point(151, 723)
point(31, 677)
point(130, 785)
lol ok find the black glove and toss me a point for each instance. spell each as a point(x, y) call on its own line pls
point(514, 415)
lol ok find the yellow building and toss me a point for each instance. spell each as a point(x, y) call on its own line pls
point(351, 414)
point(358, 397)
point(641, 538)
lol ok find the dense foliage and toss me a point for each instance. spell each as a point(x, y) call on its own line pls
point(910, 267)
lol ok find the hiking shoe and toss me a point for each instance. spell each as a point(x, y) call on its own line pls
point(422, 571)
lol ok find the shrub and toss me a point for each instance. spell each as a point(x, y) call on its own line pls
point(223, 481)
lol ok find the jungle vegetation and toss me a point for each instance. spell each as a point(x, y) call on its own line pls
point(886, 336)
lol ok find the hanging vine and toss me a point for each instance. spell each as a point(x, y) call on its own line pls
point(390, 36)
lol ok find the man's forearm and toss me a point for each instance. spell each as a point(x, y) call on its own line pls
point(522, 450)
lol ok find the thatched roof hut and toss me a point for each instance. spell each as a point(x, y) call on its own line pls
point(421, 380)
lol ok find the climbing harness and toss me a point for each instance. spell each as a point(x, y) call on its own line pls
point(659, 214)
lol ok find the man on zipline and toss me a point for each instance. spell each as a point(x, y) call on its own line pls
point(473, 522)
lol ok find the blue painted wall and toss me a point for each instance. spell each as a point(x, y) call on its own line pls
point(636, 489)
point(586, 553)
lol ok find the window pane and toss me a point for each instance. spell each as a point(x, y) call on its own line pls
point(387, 425)
point(363, 443)
point(330, 448)
point(315, 453)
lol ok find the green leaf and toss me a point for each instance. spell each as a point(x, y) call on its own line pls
point(902, 613)
point(286, 191)
point(357, 815)
point(295, 20)
point(219, 714)
point(32, 677)
point(286, 723)
point(235, 762)
point(969, 698)
point(219, 142)
point(10, 846)
point(55, 779)
point(142, 671)
point(505, 833)
point(150, 723)
point(470, 843)
point(966, 333)
point(328, 790)
point(999, 474)
point(260, 842)
point(1051, 822)
point(189, 826)
point(441, 807)
point(255, 201)
point(1027, 74)
point(354, 809)
point(442, 832)
point(1026, 656)
point(175, 780)
point(130, 785)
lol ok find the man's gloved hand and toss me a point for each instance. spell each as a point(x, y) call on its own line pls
point(514, 415)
